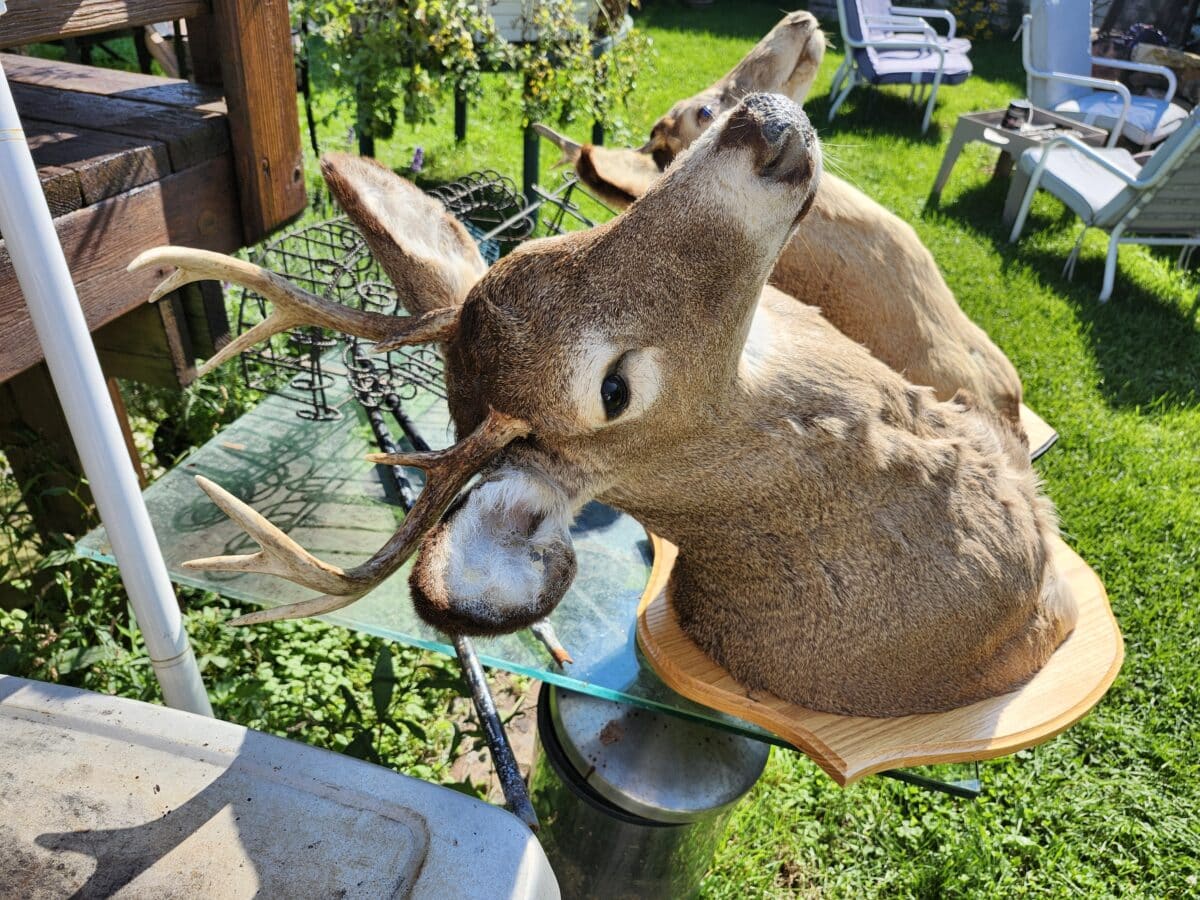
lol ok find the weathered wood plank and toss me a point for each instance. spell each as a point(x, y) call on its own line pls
point(252, 39)
point(190, 136)
point(61, 187)
point(106, 164)
point(207, 319)
point(38, 445)
point(30, 21)
point(112, 83)
point(194, 208)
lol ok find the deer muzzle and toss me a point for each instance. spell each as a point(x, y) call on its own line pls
point(499, 560)
point(779, 133)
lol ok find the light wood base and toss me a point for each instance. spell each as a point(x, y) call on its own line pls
point(850, 747)
point(1041, 435)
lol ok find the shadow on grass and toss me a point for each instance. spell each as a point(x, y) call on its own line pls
point(873, 111)
point(1147, 346)
point(879, 113)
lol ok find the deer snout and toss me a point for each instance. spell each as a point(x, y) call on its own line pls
point(500, 560)
point(779, 133)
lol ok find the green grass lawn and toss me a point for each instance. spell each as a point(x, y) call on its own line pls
point(1109, 807)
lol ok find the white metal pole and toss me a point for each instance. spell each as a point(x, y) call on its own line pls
point(41, 269)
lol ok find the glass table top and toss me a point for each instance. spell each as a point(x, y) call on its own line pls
point(311, 479)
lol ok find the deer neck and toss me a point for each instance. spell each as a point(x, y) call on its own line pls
point(802, 404)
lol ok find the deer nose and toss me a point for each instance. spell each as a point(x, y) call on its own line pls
point(776, 114)
point(780, 134)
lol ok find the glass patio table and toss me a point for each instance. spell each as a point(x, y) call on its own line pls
point(311, 479)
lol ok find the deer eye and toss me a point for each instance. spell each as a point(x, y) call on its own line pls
point(705, 113)
point(615, 394)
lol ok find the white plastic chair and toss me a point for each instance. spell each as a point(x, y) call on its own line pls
point(896, 45)
point(1158, 203)
point(1057, 53)
point(885, 21)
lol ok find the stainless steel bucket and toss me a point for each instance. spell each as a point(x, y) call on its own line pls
point(633, 803)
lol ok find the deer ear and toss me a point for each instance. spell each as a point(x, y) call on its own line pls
point(430, 257)
point(617, 176)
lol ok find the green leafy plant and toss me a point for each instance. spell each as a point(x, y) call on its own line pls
point(977, 19)
point(401, 59)
point(393, 57)
point(574, 68)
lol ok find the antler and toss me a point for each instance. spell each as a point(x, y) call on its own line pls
point(447, 471)
point(293, 306)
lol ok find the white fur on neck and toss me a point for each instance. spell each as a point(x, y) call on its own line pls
point(495, 559)
point(755, 365)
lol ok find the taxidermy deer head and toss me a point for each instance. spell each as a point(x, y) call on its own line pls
point(785, 62)
point(864, 267)
point(845, 541)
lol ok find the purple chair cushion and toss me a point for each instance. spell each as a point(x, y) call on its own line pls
point(910, 66)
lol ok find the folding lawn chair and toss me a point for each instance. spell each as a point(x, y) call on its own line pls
point(1158, 203)
point(1057, 53)
point(895, 45)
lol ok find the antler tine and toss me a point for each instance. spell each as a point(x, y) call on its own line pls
point(570, 149)
point(279, 554)
point(293, 306)
point(448, 470)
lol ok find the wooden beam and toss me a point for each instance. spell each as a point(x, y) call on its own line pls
point(105, 164)
point(118, 402)
point(149, 344)
point(31, 21)
point(190, 136)
point(194, 208)
point(62, 190)
point(206, 316)
point(38, 445)
point(67, 76)
point(252, 39)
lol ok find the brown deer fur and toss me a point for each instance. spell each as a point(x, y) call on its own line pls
point(864, 267)
point(846, 541)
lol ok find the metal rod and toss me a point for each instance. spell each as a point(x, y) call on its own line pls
point(306, 89)
point(406, 424)
point(403, 487)
point(58, 319)
point(530, 166)
point(968, 788)
point(516, 795)
point(460, 114)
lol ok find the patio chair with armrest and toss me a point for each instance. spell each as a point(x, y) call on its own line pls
point(1156, 204)
point(885, 21)
point(1057, 54)
point(895, 45)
